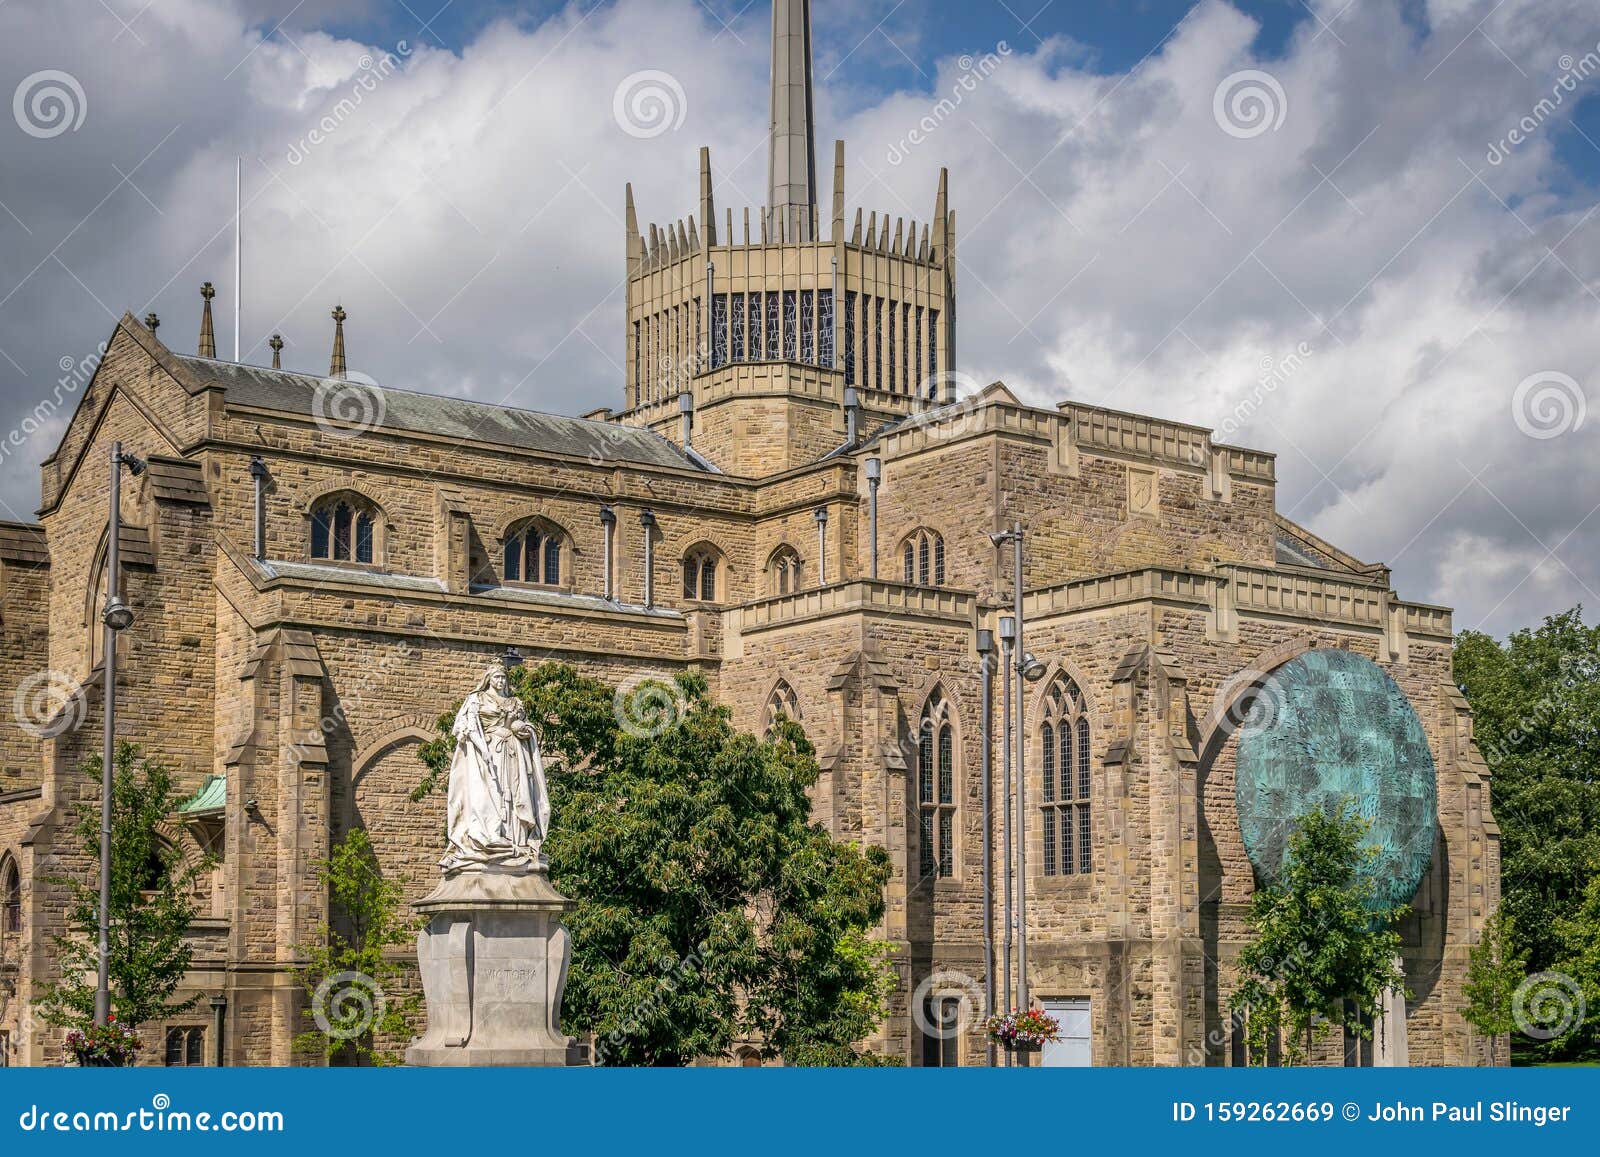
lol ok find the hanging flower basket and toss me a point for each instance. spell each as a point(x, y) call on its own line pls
point(1023, 1031)
point(103, 1046)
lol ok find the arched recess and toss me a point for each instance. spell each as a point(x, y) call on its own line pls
point(535, 550)
point(345, 525)
point(703, 571)
point(1231, 704)
point(407, 837)
point(781, 700)
point(784, 570)
point(10, 896)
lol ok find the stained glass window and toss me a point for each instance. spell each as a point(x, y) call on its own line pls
point(774, 340)
point(808, 327)
point(825, 329)
point(719, 330)
point(533, 554)
point(736, 337)
point(342, 531)
point(789, 322)
point(849, 339)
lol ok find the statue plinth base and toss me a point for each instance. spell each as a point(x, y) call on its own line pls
point(494, 959)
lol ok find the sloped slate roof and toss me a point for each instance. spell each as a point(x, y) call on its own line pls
point(448, 417)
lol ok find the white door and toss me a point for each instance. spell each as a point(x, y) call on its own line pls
point(1072, 1050)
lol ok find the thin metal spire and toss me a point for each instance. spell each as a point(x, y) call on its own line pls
point(792, 162)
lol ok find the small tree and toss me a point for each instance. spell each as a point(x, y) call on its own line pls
point(356, 1006)
point(152, 904)
point(1495, 969)
point(1323, 954)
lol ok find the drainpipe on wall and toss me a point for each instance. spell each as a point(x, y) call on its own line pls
point(852, 412)
point(647, 521)
point(258, 472)
point(821, 515)
point(608, 519)
point(874, 476)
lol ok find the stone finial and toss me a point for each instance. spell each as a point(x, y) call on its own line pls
point(275, 343)
point(152, 322)
point(208, 337)
point(336, 366)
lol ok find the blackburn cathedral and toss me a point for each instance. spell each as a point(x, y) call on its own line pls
point(793, 497)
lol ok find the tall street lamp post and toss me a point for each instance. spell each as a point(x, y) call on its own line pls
point(116, 617)
point(986, 721)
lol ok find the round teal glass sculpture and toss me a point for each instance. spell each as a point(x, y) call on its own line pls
point(1331, 726)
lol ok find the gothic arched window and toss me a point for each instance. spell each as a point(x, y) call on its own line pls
point(532, 554)
point(344, 528)
point(923, 555)
point(10, 897)
point(936, 803)
point(1066, 779)
point(700, 567)
point(785, 571)
point(781, 704)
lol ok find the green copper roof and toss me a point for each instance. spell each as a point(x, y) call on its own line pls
point(212, 796)
point(1331, 726)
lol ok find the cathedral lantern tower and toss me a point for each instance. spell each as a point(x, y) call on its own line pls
point(745, 343)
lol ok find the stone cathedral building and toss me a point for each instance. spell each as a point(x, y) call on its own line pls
point(791, 497)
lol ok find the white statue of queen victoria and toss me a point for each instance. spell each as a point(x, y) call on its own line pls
point(499, 809)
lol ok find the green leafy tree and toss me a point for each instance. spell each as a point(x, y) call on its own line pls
point(710, 908)
point(358, 1007)
point(1571, 997)
point(1536, 716)
point(1322, 954)
point(153, 903)
point(1495, 969)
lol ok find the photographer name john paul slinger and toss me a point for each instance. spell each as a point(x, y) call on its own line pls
point(1503, 1112)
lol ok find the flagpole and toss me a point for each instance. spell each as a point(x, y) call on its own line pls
point(238, 249)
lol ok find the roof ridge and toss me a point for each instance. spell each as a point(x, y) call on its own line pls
point(502, 406)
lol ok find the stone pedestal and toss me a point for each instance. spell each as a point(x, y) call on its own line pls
point(494, 959)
